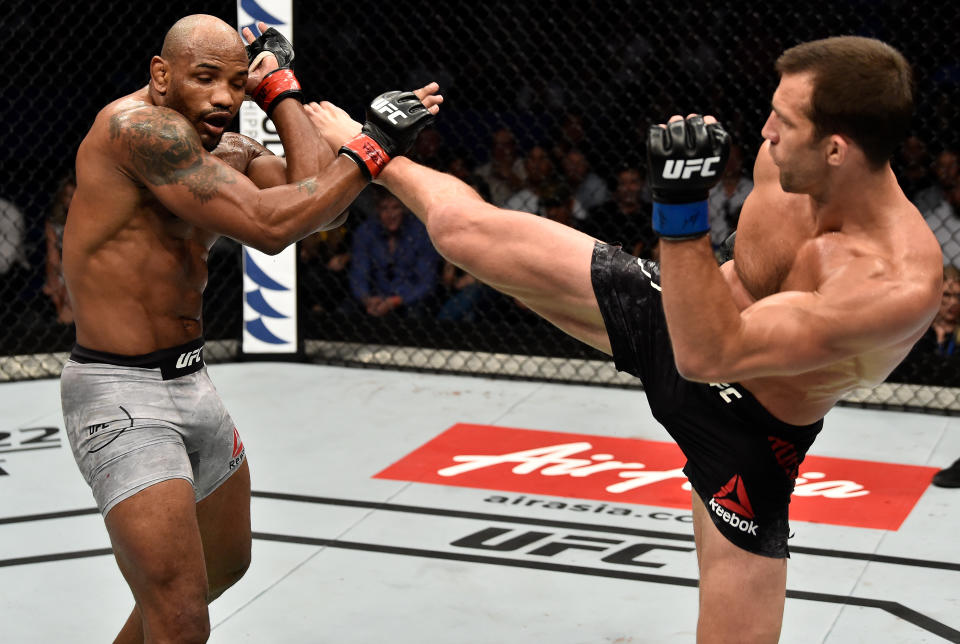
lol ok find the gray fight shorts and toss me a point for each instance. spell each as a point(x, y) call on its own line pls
point(133, 421)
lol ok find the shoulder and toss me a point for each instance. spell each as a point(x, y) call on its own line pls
point(765, 171)
point(143, 121)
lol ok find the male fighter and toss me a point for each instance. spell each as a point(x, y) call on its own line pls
point(157, 181)
point(835, 276)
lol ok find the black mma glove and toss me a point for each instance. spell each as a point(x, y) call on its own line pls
point(394, 119)
point(686, 159)
point(280, 83)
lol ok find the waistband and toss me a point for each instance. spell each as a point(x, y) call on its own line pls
point(172, 362)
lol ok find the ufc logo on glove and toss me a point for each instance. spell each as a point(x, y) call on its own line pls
point(384, 106)
point(674, 167)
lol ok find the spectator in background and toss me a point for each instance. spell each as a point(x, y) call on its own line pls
point(945, 173)
point(504, 172)
point(570, 135)
point(14, 269)
point(393, 266)
point(428, 149)
point(935, 358)
point(944, 221)
point(557, 203)
point(626, 219)
point(912, 166)
point(461, 165)
point(726, 198)
point(54, 286)
point(324, 257)
point(541, 175)
point(465, 295)
point(588, 189)
point(941, 338)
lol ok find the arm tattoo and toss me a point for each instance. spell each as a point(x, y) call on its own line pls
point(307, 185)
point(164, 152)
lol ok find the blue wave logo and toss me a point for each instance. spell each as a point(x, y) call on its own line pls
point(256, 327)
point(258, 13)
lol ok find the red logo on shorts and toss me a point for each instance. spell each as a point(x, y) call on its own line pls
point(237, 444)
point(733, 496)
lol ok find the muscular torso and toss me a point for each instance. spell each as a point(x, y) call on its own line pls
point(135, 272)
point(779, 249)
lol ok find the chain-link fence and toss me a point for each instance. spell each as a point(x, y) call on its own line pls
point(547, 106)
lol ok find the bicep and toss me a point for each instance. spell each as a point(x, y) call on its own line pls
point(267, 171)
point(795, 332)
point(164, 153)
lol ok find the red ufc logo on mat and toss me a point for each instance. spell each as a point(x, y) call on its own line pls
point(838, 491)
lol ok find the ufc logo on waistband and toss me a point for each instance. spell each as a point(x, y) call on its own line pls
point(384, 106)
point(188, 358)
point(674, 168)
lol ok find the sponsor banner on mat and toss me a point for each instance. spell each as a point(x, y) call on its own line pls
point(837, 491)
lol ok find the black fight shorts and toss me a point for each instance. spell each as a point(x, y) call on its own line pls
point(741, 461)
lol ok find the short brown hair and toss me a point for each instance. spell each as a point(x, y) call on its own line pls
point(950, 273)
point(862, 88)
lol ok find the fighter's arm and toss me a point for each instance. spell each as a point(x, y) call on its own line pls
point(304, 153)
point(860, 307)
point(158, 148)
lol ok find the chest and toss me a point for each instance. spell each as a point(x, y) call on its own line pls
point(776, 247)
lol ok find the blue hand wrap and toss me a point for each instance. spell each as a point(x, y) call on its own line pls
point(681, 220)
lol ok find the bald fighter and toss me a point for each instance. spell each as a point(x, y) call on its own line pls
point(835, 275)
point(158, 180)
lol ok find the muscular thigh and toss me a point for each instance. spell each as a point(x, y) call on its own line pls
point(156, 542)
point(544, 264)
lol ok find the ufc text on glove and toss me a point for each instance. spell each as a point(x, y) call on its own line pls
point(686, 159)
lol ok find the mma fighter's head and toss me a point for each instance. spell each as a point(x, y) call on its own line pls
point(839, 99)
point(201, 72)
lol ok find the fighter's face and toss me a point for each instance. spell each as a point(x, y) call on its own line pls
point(950, 303)
point(207, 87)
point(794, 146)
point(629, 188)
point(390, 211)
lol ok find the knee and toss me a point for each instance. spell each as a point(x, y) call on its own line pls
point(228, 577)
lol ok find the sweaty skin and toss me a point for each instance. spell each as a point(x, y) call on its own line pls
point(151, 200)
point(779, 250)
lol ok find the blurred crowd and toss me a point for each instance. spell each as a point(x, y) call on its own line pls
point(381, 264)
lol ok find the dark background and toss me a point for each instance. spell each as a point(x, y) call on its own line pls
point(619, 64)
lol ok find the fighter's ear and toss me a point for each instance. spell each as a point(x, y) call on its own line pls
point(838, 147)
point(159, 75)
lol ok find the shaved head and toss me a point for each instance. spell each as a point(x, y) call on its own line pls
point(201, 73)
point(199, 31)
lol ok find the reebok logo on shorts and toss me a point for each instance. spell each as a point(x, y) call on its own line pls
point(238, 452)
point(732, 506)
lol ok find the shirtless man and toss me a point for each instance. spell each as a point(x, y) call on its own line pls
point(835, 276)
point(158, 180)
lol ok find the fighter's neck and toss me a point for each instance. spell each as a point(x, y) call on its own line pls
point(856, 202)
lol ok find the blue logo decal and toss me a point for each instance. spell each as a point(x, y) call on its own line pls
point(258, 303)
point(258, 13)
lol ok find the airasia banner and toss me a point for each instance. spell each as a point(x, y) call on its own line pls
point(863, 494)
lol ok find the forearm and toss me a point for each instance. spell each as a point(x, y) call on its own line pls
point(701, 315)
point(306, 155)
point(288, 213)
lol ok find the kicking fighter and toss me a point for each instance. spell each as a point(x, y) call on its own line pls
point(835, 275)
point(158, 180)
